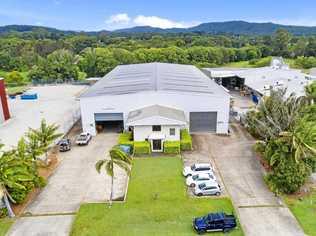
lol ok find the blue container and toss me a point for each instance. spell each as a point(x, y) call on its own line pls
point(29, 96)
point(126, 148)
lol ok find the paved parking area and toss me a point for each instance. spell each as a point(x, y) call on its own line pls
point(202, 156)
point(260, 212)
point(75, 181)
point(57, 104)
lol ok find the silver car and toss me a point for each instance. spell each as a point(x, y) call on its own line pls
point(208, 188)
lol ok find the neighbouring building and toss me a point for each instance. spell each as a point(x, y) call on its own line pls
point(261, 80)
point(153, 88)
point(4, 108)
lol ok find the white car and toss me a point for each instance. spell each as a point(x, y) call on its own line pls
point(207, 188)
point(196, 179)
point(197, 168)
point(83, 139)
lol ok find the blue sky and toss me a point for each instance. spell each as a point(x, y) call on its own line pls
point(113, 14)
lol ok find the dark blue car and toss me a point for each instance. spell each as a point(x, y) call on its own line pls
point(214, 222)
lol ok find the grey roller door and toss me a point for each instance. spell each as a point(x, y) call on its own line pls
point(108, 116)
point(203, 121)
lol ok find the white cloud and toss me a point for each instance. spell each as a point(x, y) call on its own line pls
point(155, 21)
point(118, 19)
point(124, 20)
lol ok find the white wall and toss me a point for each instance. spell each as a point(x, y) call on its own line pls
point(142, 132)
point(184, 101)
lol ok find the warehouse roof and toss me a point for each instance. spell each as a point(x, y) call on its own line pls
point(262, 79)
point(173, 115)
point(125, 79)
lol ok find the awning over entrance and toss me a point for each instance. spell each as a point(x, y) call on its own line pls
point(156, 136)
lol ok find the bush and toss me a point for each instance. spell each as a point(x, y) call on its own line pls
point(125, 138)
point(171, 147)
point(3, 212)
point(260, 147)
point(18, 195)
point(142, 147)
point(14, 78)
point(185, 140)
point(288, 176)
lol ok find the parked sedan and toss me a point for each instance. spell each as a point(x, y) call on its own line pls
point(196, 179)
point(83, 139)
point(64, 145)
point(207, 188)
point(197, 168)
point(214, 222)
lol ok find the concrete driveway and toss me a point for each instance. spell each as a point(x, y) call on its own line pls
point(74, 182)
point(260, 212)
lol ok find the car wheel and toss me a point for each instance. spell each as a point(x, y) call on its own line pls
point(218, 193)
point(201, 231)
point(200, 194)
point(192, 185)
point(225, 230)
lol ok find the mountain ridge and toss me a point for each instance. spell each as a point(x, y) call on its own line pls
point(225, 27)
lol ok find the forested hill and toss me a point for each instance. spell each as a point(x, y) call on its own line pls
point(229, 27)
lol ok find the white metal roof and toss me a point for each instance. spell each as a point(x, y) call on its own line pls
point(156, 115)
point(262, 79)
point(125, 79)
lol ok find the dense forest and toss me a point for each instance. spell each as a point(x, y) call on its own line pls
point(44, 56)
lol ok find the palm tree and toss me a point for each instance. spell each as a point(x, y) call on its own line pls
point(276, 114)
point(302, 140)
point(117, 157)
point(310, 91)
point(45, 135)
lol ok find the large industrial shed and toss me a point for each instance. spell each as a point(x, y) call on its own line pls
point(130, 87)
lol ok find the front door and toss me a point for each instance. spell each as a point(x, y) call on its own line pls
point(157, 147)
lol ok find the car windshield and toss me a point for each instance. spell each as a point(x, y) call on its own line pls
point(193, 167)
point(195, 177)
point(201, 186)
point(82, 137)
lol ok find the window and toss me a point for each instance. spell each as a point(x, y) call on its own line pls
point(172, 131)
point(156, 127)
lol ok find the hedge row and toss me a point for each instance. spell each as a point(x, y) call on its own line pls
point(125, 139)
point(185, 140)
point(171, 147)
point(142, 147)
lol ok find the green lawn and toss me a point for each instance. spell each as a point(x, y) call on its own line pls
point(157, 204)
point(5, 225)
point(304, 211)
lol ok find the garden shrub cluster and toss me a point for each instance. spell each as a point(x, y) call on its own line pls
point(141, 147)
point(171, 147)
point(19, 166)
point(126, 138)
point(185, 140)
point(286, 128)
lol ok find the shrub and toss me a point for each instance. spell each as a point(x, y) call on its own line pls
point(18, 195)
point(260, 147)
point(186, 140)
point(125, 138)
point(14, 78)
point(288, 176)
point(142, 147)
point(3, 212)
point(171, 147)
